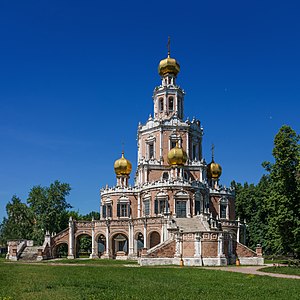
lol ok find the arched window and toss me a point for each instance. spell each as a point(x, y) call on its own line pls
point(171, 104)
point(223, 208)
point(161, 104)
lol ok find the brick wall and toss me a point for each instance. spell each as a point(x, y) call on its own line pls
point(210, 248)
point(243, 251)
point(165, 251)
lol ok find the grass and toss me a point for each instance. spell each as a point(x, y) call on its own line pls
point(276, 261)
point(116, 281)
point(104, 262)
point(282, 270)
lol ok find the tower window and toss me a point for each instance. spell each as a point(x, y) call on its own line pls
point(223, 211)
point(171, 104)
point(151, 150)
point(161, 104)
point(173, 144)
point(123, 209)
point(146, 207)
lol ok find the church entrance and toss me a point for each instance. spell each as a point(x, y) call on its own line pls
point(180, 209)
point(120, 246)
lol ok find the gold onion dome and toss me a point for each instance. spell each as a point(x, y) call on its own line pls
point(168, 65)
point(177, 156)
point(214, 170)
point(122, 166)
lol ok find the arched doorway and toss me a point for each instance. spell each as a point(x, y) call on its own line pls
point(101, 245)
point(60, 250)
point(139, 243)
point(154, 239)
point(120, 245)
point(83, 246)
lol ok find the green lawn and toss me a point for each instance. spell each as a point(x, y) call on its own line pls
point(282, 270)
point(105, 262)
point(117, 281)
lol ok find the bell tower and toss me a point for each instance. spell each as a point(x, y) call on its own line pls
point(168, 98)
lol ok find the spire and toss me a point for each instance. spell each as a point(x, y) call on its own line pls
point(212, 152)
point(168, 46)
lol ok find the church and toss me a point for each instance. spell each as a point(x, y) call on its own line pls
point(176, 212)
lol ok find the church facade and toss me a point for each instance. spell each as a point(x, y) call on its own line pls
point(176, 212)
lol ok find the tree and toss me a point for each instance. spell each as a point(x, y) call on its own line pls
point(250, 207)
point(49, 206)
point(19, 222)
point(283, 203)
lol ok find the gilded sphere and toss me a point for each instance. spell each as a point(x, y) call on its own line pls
point(168, 65)
point(214, 170)
point(177, 156)
point(122, 166)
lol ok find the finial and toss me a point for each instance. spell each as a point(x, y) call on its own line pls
point(212, 152)
point(123, 149)
point(169, 51)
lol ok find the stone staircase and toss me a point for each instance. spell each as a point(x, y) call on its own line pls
point(192, 224)
point(30, 253)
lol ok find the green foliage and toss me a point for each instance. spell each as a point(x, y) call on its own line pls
point(85, 244)
point(272, 208)
point(19, 222)
point(49, 205)
point(283, 203)
point(46, 210)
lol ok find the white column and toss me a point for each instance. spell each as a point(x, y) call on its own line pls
point(220, 245)
point(198, 250)
point(107, 240)
point(130, 237)
point(238, 230)
point(145, 236)
point(93, 254)
point(187, 145)
point(145, 174)
point(188, 204)
point(139, 205)
point(71, 239)
point(165, 230)
point(161, 144)
point(177, 251)
point(176, 105)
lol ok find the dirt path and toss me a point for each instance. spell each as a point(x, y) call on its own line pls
point(254, 270)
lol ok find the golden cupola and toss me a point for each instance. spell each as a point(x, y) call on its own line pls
point(177, 156)
point(168, 65)
point(122, 166)
point(214, 170)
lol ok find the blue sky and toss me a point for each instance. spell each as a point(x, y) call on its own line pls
point(76, 77)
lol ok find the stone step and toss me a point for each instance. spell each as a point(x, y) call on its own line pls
point(29, 253)
point(190, 224)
